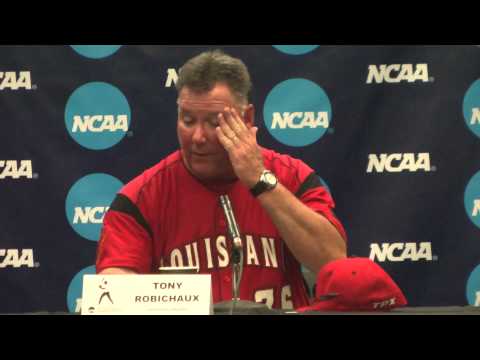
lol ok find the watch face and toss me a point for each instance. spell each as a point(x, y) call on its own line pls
point(270, 178)
point(268, 181)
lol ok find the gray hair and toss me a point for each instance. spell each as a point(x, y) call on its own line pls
point(203, 71)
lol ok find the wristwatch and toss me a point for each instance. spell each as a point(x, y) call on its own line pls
point(267, 182)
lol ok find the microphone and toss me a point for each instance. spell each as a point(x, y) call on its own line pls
point(236, 305)
point(231, 221)
point(237, 253)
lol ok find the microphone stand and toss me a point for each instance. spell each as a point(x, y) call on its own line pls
point(237, 268)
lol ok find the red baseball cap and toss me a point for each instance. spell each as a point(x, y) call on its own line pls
point(355, 284)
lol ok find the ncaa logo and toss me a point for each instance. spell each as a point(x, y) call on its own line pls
point(472, 199)
point(17, 258)
point(394, 163)
point(473, 287)
point(16, 169)
point(97, 115)
point(87, 202)
point(295, 49)
point(297, 112)
point(16, 80)
point(399, 252)
point(74, 292)
point(397, 73)
point(471, 108)
point(95, 51)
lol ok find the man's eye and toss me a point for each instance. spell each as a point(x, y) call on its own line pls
point(187, 119)
point(213, 123)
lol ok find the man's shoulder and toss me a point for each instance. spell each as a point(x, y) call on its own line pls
point(290, 171)
point(152, 175)
point(171, 161)
point(282, 162)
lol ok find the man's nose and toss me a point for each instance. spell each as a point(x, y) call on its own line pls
point(199, 135)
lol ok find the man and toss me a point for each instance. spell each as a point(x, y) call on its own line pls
point(171, 214)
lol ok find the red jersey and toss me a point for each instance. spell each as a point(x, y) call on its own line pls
point(166, 217)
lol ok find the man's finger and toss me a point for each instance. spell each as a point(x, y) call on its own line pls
point(226, 127)
point(224, 140)
point(240, 121)
point(254, 130)
point(235, 123)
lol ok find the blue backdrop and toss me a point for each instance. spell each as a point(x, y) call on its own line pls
point(393, 131)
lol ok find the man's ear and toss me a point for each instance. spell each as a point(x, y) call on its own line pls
point(249, 116)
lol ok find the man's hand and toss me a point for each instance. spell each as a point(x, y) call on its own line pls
point(311, 238)
point(117, 271)
point(241, 144)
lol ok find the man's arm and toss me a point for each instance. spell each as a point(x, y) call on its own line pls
point(313, 240)
point(125, 242)
point(117, 271)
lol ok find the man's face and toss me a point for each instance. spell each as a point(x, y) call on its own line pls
point(202, 153)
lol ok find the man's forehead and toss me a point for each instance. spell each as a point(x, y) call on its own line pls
point(206, 105)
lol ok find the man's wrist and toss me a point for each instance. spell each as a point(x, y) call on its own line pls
point(266, 182)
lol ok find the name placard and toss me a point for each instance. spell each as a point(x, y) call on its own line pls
point(179, 294)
